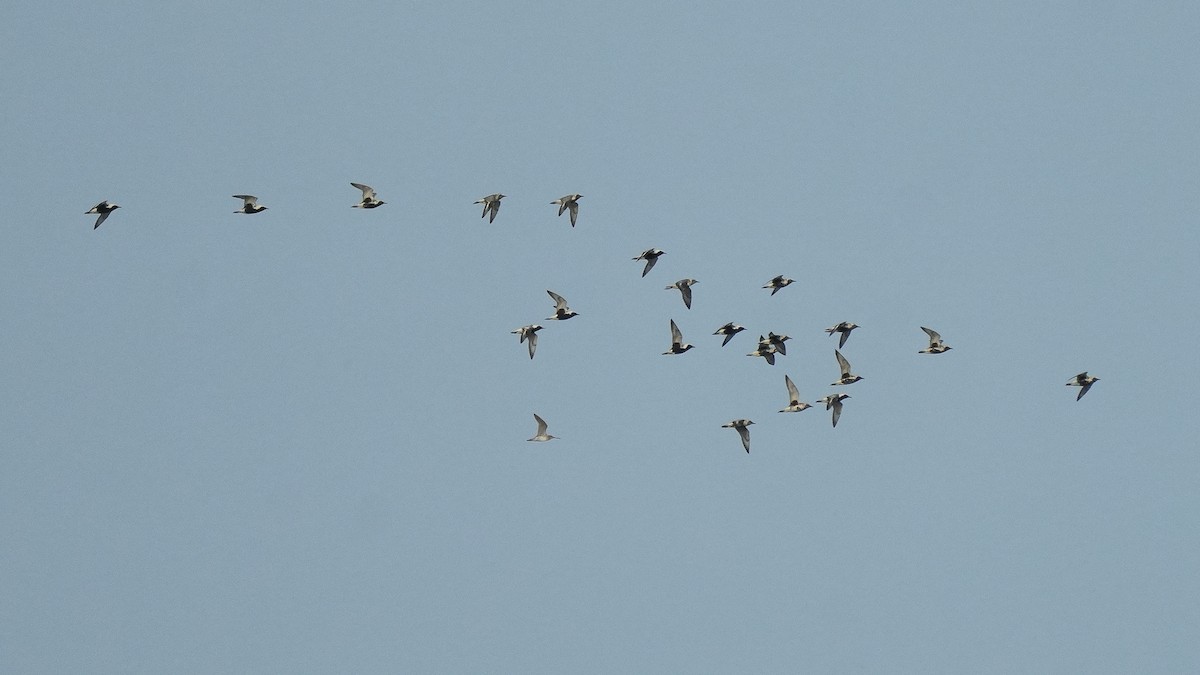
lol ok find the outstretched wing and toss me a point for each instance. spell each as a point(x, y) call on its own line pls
point(842, 363)
point(676, 336)
point(744, 432)
point(793, 393)
point(541, 424)
point(559, 301)
point(368, 193)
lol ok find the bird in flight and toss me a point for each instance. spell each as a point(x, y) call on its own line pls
point(369, 201)
point(1084, 381)
point(777, 342)
point(250, 204)
point(847, 377)
point(834, 401)
point(650, 255)
point(844, 328)
point(529, 333)
point(794, 402)
point(936, 346)
point(765, 349)
point(740, 425)
point(685, 287)
point(568, 202)
point(561, 311)
point(491, 203)
point(777, 283)
point(678, 346)
point(729, 330)
point(541, 430)
point(103, 208)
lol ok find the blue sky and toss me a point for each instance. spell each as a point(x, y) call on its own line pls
point(294, 441)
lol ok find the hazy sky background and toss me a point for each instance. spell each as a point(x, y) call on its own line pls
point(295, 441)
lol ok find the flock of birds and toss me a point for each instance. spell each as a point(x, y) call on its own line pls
point(768, 346)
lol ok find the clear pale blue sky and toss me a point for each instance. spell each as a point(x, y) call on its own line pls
point(294, 442)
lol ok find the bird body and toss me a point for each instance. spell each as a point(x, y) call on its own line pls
point(1084, 381)
point(678, 346)
point(777, 283)
point(491, 204)
point(250, 204)
point(740, 425)
point(651, 256)
point(569, 202)
point(847, 377)
point(765, 349)
point(103, 209)
point(729, 330)
point(529, 333)
point(685, 288)
point(541, 434)
point(834, 402)
point(936, 346)
point(794, 402)
point(369, 201)
point(561, 311)
point(844, 328)
point(777, 342)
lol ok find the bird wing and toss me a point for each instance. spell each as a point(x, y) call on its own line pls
point(574, 206)
point(686, 289)
point(541, 424)
point(793, 393)
point(532, 344)
point(1083, 390)
point(676, 336)
point(842, 341)
point(744, 432)
point(368, 193)
point(250, 200)
point(101, 219)
point(837, 409)
point(934, 337)
point(842, 363)
point(559, 301)
point(649, 264)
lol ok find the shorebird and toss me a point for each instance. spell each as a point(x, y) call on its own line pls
point(765, 350)
point(369, 201)
point(740, 425)
point(729, 330)
point(650, 255)
point(250, 205)
point(844, 328)
point(777, 283)
point(777, 342)
point(936, 346)
point(103, 208)
point(678, 346)
point(491, 203)
point(847, 377)
point(834, 401)
point(794, 402)
point(561, 311)
point(568, 202)
point(529, 333)
point(685, 287)
point(541, 432)
point(1082, 380)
